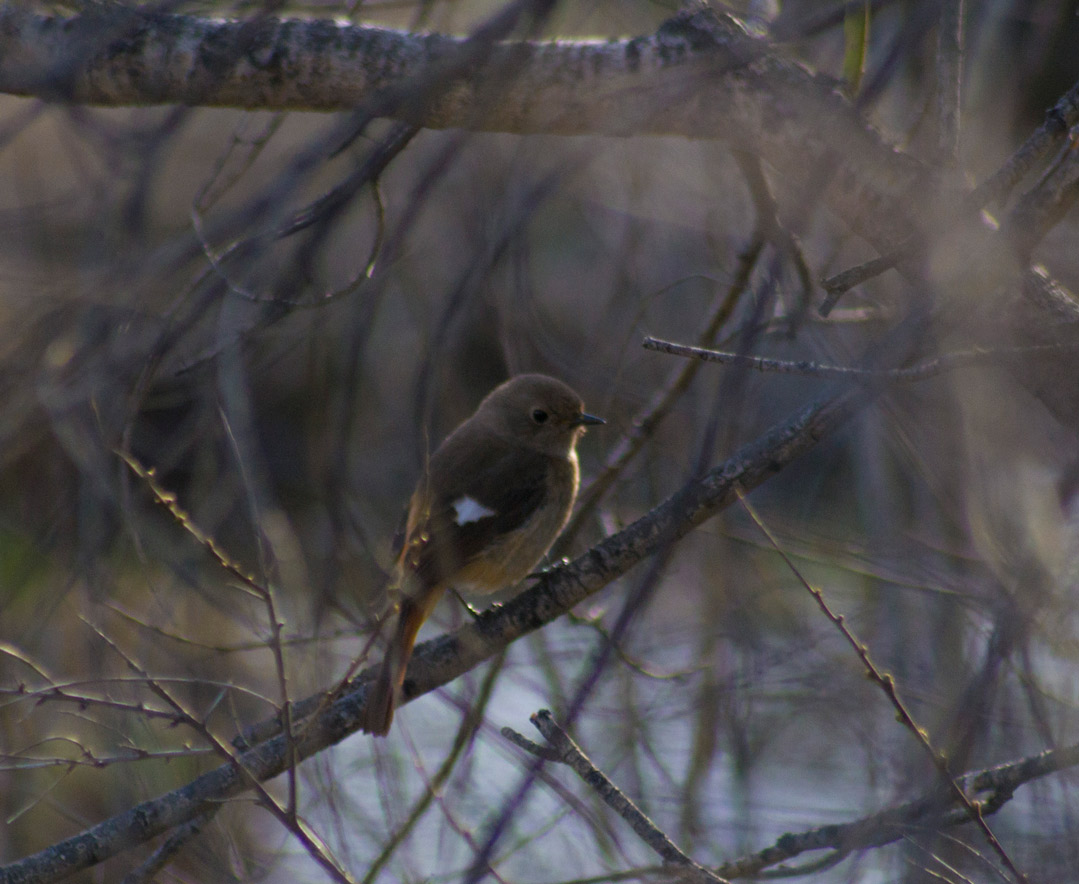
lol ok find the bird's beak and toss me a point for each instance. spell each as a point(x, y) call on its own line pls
point(585, 420)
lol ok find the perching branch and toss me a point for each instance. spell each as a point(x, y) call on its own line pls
point(441, 660)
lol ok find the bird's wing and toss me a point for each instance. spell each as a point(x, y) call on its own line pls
point(468, 500)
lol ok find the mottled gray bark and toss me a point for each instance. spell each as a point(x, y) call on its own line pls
point(699, 76)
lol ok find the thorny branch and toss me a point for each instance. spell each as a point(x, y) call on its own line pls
point(886, 682)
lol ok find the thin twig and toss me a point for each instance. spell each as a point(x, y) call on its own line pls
point(645, 423)
point(1058, 120)
point(168, 500)
point(771, 227)
point(62, 693)
point(567, 752)
point(287, 818)
point(920, 372)
point(461, 740)
point(147, 870)
point(286, 815)
point(1047, 200)
point(886, 682)
point(949, 85)
point(320, 212)
point(595, 623)
point(277, 625)
point(465, 735)
point(347, 633)
point(217, 183)
point(20, 762)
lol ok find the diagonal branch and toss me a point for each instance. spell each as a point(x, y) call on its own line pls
point(565, 750)
point(996, 784)
point(886, 682)
point(443, 659)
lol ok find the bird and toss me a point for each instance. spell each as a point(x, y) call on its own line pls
point(494, 496)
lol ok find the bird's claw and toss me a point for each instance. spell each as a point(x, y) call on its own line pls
point(468, 606)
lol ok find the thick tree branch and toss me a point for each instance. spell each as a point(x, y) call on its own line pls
point(700, 75)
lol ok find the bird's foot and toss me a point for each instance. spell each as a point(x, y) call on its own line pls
point(468, 606)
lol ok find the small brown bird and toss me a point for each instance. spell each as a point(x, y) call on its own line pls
point(496, 494)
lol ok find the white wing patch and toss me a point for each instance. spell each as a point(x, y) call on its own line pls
point(468, 509)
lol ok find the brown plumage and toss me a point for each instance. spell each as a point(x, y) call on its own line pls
point(494, 497)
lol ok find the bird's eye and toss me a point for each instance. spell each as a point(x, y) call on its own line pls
point(539, 415)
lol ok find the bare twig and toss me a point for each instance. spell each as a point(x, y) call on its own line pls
point(886, 683)
point(566, 751)
point(771, 227)
point(168, 500)
point(595, 623)
point(147, 870)
point(1058, 120)
point(1047, 201)
point(218, 183)
point(87, 758)
point(920, 372)
point(347, 633)
point(461, 740)
point(319, 215)
point(63, 693)
point(265, 593)
point(648, 419)
point(949, 80)
point(998, 784)
point(634, 603)
point(465, 735)
point(286, 816)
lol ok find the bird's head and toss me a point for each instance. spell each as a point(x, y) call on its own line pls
point(537, 412)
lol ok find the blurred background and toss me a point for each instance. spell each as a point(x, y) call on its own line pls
point(286, 390)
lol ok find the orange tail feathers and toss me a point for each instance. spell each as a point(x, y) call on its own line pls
point(382, 696)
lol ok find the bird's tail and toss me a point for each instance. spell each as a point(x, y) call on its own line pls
point(383, 694)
